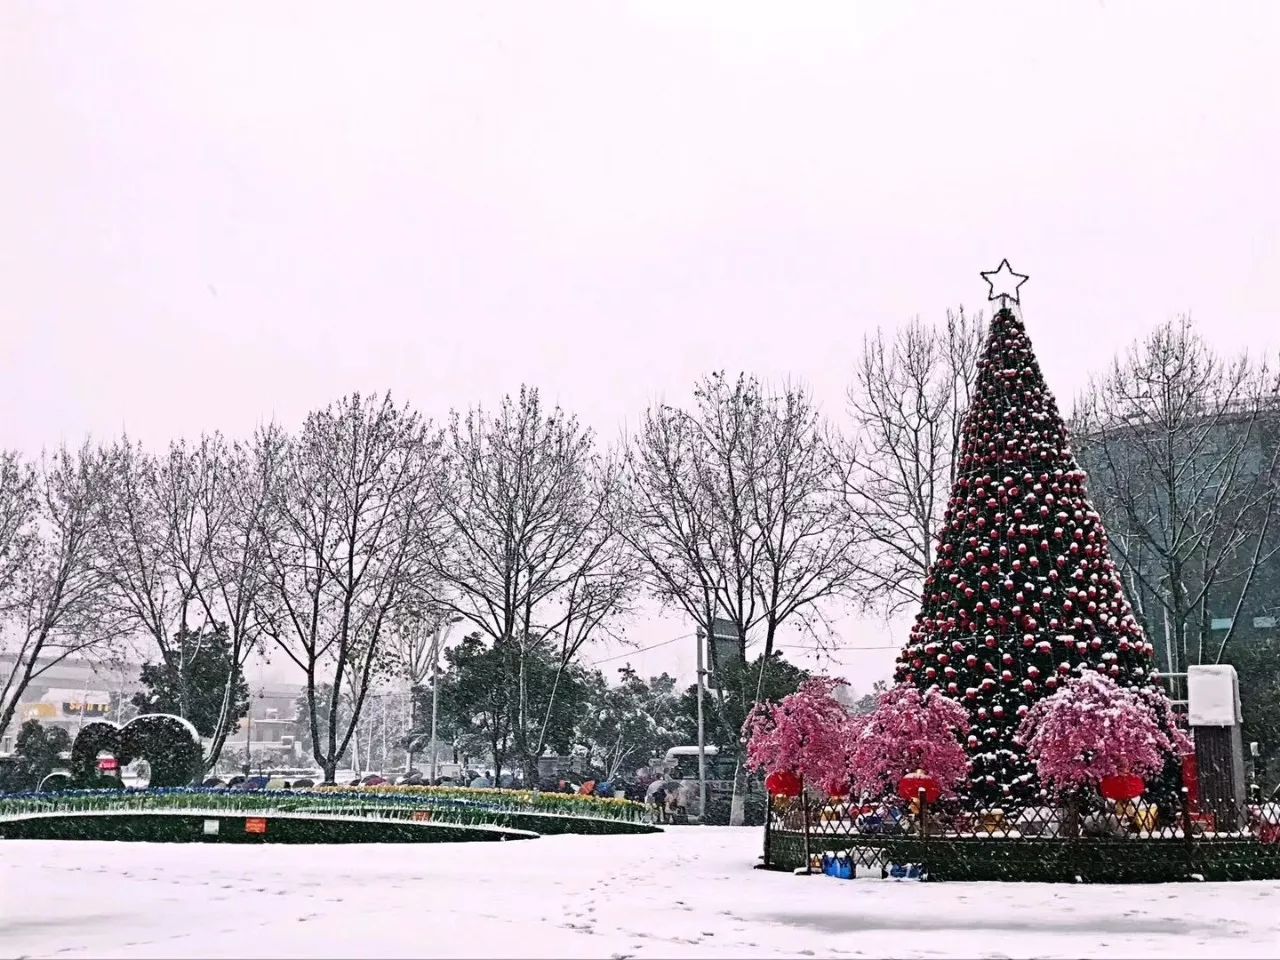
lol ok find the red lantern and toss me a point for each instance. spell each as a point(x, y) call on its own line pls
point(1123, 786)
point(783, 783)
point(835, 789)
point(909, 787)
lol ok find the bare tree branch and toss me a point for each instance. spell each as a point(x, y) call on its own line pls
point(51, 590)
point(1181, 448)
point(352, 518)
point(907, 406)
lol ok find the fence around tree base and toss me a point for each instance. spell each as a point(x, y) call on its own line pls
point(1109, 844)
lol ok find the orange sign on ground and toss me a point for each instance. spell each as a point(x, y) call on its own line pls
point(255, 825)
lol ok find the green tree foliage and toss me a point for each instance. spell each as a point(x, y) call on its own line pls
point(39, 748)
point(626, 724)
point(1258, 665)
point(726, 709)
point(198, 677)
point(480, 692)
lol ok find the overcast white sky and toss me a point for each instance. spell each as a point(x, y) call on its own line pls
point(215, 214)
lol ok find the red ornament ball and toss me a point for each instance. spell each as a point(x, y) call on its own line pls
point(783, 783)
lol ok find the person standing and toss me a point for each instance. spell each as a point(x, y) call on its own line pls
point(656, 798)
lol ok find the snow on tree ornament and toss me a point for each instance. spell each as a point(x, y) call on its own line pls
point(1023, 593)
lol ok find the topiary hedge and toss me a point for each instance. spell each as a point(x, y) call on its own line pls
point(169, 744)
point(95, 737)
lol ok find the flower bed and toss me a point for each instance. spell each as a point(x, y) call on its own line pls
point(493, 798)
point(367, 803)
point(181, 826)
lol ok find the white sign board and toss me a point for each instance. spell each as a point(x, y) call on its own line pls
point(1213, 696)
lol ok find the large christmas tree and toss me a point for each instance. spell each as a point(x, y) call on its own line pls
point(1023, 593)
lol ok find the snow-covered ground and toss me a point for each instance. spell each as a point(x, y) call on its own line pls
point(687, 893)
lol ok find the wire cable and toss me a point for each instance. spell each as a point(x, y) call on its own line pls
point(653, 646)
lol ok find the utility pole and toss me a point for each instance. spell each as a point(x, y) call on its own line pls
point(702, 737)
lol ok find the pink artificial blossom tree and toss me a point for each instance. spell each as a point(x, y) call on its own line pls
point(806, 733)
point(909, 731)
point(1094, 728)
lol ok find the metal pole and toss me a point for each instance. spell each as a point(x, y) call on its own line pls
point(383, 700)
point(1188, 843)
point(768, 826)
point(804, 811)
point(702, 739)
point(435, 697)
point(413, 727)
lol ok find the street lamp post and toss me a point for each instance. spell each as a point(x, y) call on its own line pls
point(702, 737)
point(248, 734)
point(436, 641)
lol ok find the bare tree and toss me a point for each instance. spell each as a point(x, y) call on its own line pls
point(690, 512)
point(135, 557)
point(352, 514)
point(735, 508)
point(414, 644)
point(598, 591)
point(532, 553)
point(230, 511)
point(907, 405)
point(183, 549)
point(808, 550)
point(1183, 452)
point(50, 586)
point(17, 509)
point(735, 511)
